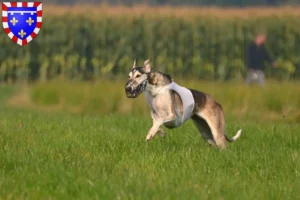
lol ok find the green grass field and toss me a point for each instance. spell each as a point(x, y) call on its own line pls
point(62, 155)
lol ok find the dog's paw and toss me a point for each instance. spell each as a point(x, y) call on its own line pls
point(149, 137)
point(162, 134)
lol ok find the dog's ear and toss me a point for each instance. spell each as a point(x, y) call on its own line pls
point(135, 63)
point(147, 67)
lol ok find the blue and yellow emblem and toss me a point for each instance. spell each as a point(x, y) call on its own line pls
point(22, 21)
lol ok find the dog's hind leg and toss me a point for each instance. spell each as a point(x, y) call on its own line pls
point(216, 124)
point(204, 130)
point(217, 133)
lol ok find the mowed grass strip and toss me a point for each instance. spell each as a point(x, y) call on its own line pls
point(276, 101)
point(63, 156)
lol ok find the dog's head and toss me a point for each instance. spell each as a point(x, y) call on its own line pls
point(138, 79)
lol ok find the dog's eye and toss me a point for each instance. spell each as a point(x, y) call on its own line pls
point(138, 75)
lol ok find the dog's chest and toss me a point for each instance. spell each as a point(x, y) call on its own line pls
point(160, 104)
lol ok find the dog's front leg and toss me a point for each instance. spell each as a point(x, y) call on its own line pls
point(154, 129)
point(161, 132)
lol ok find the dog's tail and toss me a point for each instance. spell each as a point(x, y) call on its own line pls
point(234, 138)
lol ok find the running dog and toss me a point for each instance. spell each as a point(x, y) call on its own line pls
point(171, 105)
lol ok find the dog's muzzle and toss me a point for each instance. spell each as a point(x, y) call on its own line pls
point(134, 92)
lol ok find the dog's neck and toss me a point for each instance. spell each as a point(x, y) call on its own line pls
point(157, 81)
point(159, 78)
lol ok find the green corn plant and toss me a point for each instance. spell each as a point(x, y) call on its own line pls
point(206, 46)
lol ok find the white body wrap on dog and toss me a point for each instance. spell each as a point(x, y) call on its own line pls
point(186, 98)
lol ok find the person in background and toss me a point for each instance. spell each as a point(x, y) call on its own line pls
point(257, 54)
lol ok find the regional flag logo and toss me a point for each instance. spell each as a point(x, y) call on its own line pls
point(22, 21)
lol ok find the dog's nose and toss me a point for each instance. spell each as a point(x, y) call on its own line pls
point(127, 88)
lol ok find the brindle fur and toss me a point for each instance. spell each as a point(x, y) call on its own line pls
point(208, 115)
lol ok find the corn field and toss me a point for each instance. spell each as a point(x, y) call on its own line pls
point(77, 46)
